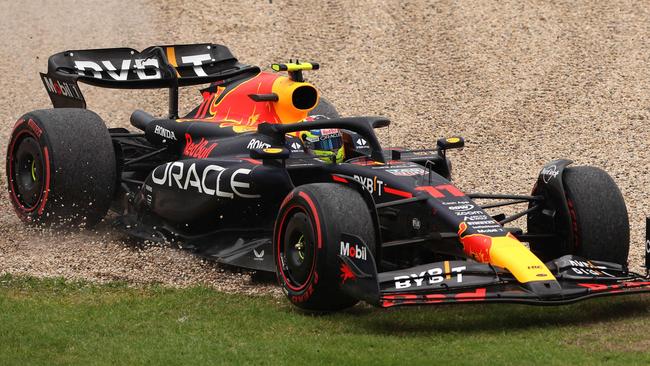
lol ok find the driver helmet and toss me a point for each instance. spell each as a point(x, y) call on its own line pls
point(326, 144)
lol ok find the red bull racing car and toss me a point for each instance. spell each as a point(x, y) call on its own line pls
point(264, 174)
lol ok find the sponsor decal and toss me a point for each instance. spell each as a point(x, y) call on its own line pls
point(346, 273)
point(329, 131)
point(647, 246)
point(462, 207)
point(587, 268)
point(37, 130)
point(130, 69)
point(549, 173)
point(257, 144)
point(407, 172)
point(199, 150)
point(228, 184)
point(583, 264)
point(485, 226)
point(63, 88)
point(307, 293)
point(482, 222)
point(259, 256)
point(430, 277)
point(476, 218)
point(586, 271)
point(353, 251)
point(372, 185)
point(295, 146)
point(144, 69)
point(362, 143)
point(469, 213)
point(159, 130)
point(487, 231)
point(453, 203)
point(475, 245)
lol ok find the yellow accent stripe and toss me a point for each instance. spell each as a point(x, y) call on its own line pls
point(171, 57)
point(447, 270)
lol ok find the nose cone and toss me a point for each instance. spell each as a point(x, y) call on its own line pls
point(506, 252)
point(509, 253)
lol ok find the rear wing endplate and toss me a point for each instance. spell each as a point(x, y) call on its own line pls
point(155, 67)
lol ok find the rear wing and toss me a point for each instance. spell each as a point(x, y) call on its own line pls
point(155, 67)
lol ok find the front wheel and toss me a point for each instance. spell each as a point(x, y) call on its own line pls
point(599, 227)
point(601, 230)
point(307, 242)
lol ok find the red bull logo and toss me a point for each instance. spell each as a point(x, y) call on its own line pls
point(199, 150)
point(475, 245)
point(346, 273)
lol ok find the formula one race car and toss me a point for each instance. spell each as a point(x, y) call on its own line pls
point(265, 175)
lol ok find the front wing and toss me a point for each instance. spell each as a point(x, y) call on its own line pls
point(466, 281)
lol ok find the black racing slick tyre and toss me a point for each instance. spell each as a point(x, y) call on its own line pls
point(61, 167)
point(307, 241)
point(601, 230)
point(324, 108)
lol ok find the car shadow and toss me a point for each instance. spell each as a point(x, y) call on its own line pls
point(476, 318)
point(496, 317)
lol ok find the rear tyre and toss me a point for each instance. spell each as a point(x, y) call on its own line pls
point(324, 108)
point(61, 167)
point(307, 239)
point(601, 230)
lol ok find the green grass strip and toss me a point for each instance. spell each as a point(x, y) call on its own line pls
point(52, 321)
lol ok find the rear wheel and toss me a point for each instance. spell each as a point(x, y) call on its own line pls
point(307, 241)
point(61, 167)
point(324, 108)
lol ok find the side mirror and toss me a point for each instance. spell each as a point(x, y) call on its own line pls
point(451, 143)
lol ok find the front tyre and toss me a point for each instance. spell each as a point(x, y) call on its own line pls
point(307, 239)
point(601, 230)
point(597, 226)
point(61, 167)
